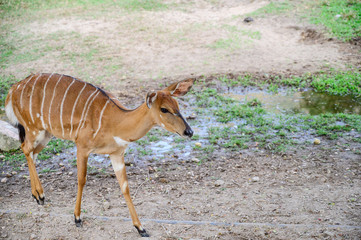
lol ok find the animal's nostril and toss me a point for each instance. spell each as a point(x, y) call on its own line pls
point(188, 132)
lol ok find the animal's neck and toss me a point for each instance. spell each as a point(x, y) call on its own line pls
point(134, 124)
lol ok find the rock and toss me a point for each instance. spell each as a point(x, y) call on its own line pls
point(9, 137)
point(248, 19)
point(255, 179)
point(219, 183)
point(106, 205)
point(317, 141)
point(4, 180)
point(32, 236)
point(196, 160)
point(70, 173)
point(198, 144)
point(193, 116)
point(163, 180)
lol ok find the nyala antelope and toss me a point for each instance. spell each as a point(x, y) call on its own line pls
point(46, 105)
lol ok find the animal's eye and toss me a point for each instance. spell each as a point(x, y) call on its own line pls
point(164, 110)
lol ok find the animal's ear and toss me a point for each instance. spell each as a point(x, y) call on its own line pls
point(180, 88)
point(151, 97)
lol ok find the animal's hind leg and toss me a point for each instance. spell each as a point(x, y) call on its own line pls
point(33, 144)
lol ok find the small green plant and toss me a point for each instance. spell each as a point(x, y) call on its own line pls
point(47, 170)
point(342, 18)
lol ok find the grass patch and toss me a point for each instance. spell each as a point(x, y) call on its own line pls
point(16, 158)
point(333, 82)
point(16, 7)
point(243, 125)
point(342, 18)
point(237, 38)
point(273, 8)
point(5, 84)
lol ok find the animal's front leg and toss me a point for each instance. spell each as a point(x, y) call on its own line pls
point(120, 172)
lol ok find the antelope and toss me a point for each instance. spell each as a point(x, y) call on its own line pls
point(45, 105)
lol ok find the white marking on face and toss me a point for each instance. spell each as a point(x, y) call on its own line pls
point(31, 99)
point(42, 102)
point(162, 125)
point(72, 112)
point(22, 91)
point(100, 118)
point(82, 119)
point(51, 103)
point(121, 142)
point(124, 187)
point(37, 115)
point(17, 86)
point(34, 132)
point(62, 106)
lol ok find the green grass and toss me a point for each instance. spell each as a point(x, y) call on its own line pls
point(333, 82)
point(253, 126)
point(342, 18)
point(17, 6)
point(237, 38)
point(273, 8)
point(16, 158)
point(5, 83)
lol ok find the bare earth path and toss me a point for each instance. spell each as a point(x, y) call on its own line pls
point(315, 193)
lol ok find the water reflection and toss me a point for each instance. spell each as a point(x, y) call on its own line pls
point(308, 102)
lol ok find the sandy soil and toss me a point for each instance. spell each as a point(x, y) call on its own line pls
point(307, 194)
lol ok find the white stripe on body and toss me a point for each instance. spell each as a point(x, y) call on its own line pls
point(42, 102)
point(62, 106)
point(22, 92)
point(72, 112)
point(100, 118)
point(86, 114)
point(31, 99)
point(82, 115)
point(51, 103)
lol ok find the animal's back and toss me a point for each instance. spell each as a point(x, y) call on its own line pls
point(57, 103)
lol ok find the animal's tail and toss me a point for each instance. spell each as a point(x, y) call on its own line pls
point(9, 110)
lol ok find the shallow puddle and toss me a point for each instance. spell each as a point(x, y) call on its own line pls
point(307, 101)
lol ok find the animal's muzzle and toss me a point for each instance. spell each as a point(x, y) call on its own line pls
point(188, 132)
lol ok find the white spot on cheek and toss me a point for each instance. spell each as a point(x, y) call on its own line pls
point(124, 187)
point(37, 115)
point(34, 132)
point(162, 125)
point(121, 142)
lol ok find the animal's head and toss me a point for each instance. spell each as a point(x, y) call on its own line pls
point(165, 109)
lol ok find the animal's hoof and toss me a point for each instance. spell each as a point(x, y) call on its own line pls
point(41, 201)
point(142, 232)
point(78, 222)
point(36, 199)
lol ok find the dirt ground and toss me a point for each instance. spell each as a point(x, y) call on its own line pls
point(312, 193)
